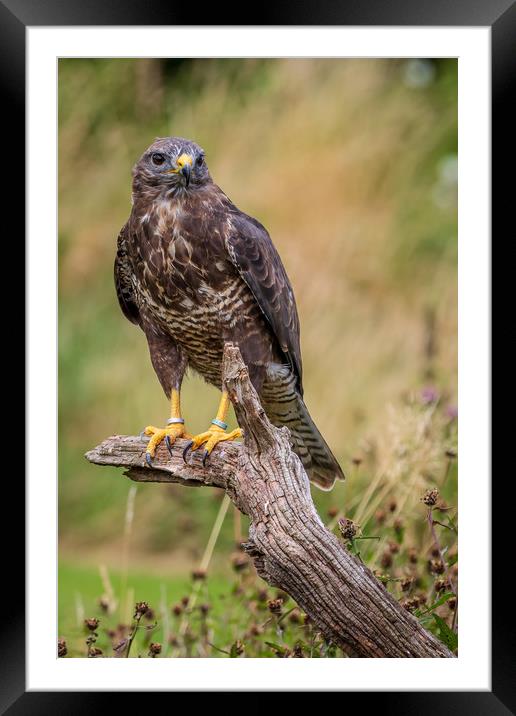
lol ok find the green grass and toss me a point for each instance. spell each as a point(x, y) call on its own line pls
point(81, 588)
point(230, 616)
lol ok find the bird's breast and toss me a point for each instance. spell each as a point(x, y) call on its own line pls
point(195, 297)
point(188, 286)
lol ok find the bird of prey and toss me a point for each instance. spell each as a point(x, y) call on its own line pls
point(195, 272)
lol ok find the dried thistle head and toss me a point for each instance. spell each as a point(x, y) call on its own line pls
point(154, 649)
point(140, 608)
point(406, 583)
point(430, 497)
point(413, 603)
point(91, 624)
point(441, 585)
point(348, 528)
point(435, 566)
point(62, 649)
point(275, 605)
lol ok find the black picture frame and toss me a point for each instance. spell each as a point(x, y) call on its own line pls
point(500, 16)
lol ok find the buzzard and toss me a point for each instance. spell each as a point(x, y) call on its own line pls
point(195, 272)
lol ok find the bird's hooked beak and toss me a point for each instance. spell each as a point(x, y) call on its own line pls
point(183, 167)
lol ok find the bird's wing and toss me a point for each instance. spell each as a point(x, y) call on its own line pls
point(254, 255)
point(123, 283)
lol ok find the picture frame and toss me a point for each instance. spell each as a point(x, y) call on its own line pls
point(18, 15)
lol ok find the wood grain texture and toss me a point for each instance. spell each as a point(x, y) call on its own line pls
point(290, 546)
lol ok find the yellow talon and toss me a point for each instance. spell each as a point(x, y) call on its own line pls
point(174, 430)
point(215, 434)
point(159, 434)
point(213, 437)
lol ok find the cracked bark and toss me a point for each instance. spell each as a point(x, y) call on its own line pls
point(290, 546)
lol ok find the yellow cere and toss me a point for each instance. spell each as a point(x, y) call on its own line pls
point(180, 163)
point(184, 159)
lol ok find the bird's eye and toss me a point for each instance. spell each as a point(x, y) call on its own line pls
point(158, 159)
point(200, 160)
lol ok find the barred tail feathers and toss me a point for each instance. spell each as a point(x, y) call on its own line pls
point(284, 406)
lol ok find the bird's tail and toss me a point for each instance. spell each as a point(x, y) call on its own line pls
point(284, 406)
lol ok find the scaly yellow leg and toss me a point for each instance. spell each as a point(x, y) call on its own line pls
point(175, 429)
point(215, 434)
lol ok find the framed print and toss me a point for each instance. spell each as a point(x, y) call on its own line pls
point(298, 215)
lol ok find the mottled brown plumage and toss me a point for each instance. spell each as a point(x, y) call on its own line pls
point(194, 272)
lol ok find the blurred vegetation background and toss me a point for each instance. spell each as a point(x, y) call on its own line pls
point(352, 167)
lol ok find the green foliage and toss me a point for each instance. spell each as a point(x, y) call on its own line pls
point(442, 600)
point(446, 635)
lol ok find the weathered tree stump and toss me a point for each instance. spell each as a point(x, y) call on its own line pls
point(290, 546)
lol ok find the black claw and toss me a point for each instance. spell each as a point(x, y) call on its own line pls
point(148, 459)
point(205, 456)
point(185, 451)
point(168, 444)
point(144, 436)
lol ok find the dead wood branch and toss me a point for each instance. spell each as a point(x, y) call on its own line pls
point(290, 546)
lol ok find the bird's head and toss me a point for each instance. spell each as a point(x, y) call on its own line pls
point(171, 164)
